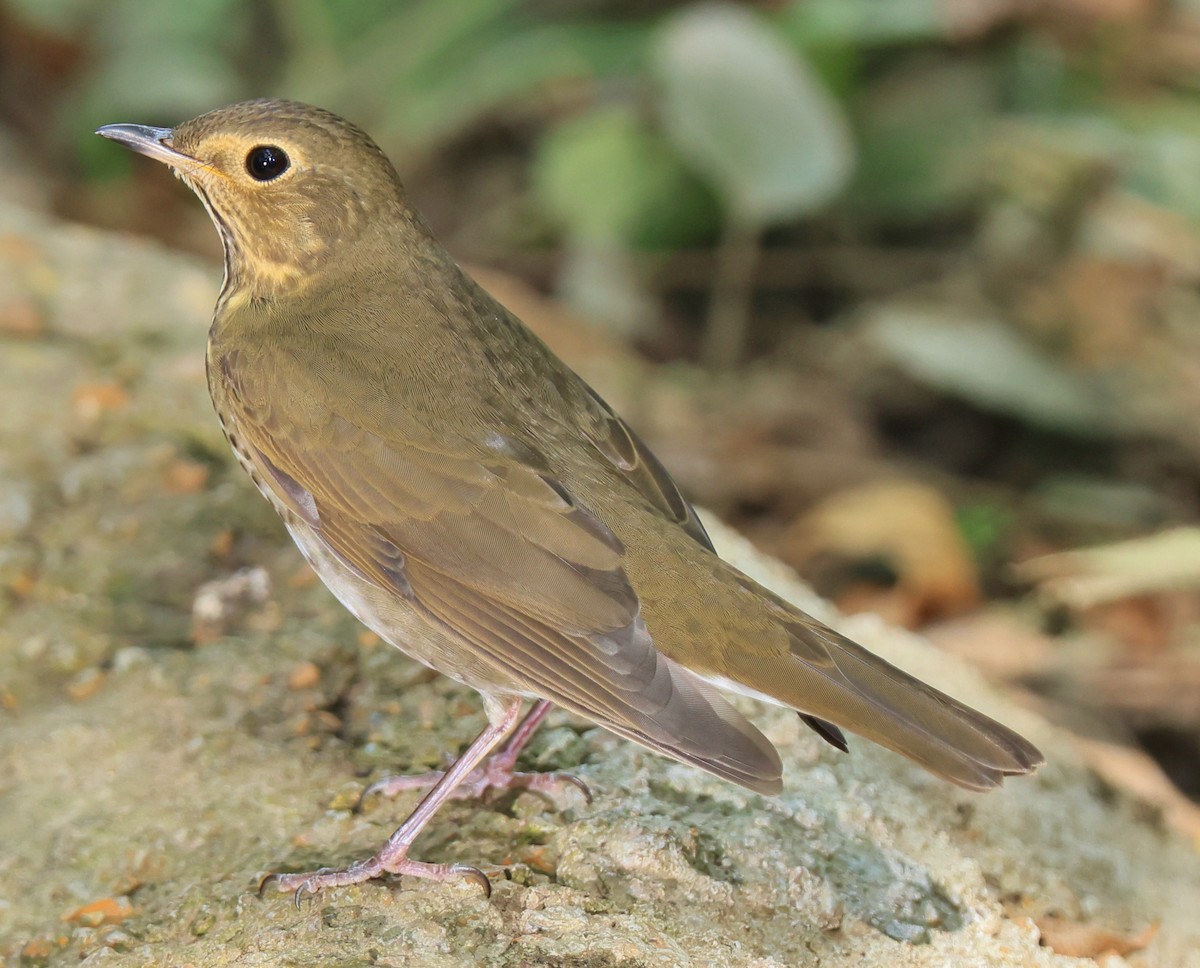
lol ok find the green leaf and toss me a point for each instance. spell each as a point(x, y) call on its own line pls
point(498, 63)
point(750, 115)
point(864, 23)
point(496, 67)
point(608, 178)
point(154, 64)
point(588, 173)
point(921, 133)
point(987, 363)
point(403, 60)
point(985, 526)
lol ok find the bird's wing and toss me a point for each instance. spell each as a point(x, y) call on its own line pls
point(617, 442)
point(499, 551)
point(624, 450)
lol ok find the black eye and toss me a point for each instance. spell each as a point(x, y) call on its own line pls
point(266, 162)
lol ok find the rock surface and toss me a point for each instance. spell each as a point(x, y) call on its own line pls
point(156, 759)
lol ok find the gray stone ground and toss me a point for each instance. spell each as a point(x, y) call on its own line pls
point(141, 769)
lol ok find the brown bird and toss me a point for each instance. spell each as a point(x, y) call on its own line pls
point(471, 500)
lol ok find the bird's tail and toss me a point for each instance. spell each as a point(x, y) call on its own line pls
point(833, 680)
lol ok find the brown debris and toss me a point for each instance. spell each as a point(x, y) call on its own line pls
point(1079, 940)
point(1085, 578)
point(20, 317)
point(908, 528)
point(219, 604)
point(85, 684)
point(90, 400)
point(108, 910)
point(304, 675)
point(1136, 773)
point(1002, 643)
point(185, 476)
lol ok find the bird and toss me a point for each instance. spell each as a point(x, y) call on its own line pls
point(470, 499)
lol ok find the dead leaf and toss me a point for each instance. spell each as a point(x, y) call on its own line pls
point(907, 527)
point(1162, 690)
point(1085, 578)
point(302, 577)
point(185, 476)
point(21, 318)
point(1145, 624)
point(37, 949)
point(304, 675)
point(1078, 940)
point(998, 641)
point(22, 585)
point(966, 19)
point(93, 399)
point(1101, 308)
point(109, 910)
point(85, 684)
point(1133, 771)
point(19, 250)
point(222, 544)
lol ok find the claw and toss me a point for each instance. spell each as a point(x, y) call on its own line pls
point(476, 875)
point(360, 803)
point(578, 784)
point(275, 879)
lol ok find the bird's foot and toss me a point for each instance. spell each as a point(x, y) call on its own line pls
point(390, 860)
point(393, 858)
point(496, 774)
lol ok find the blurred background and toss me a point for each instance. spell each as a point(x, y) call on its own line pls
point(908, 291)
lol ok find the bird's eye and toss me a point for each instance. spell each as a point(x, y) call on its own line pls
point(266, 162)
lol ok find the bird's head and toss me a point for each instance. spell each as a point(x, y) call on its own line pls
point(287, 185)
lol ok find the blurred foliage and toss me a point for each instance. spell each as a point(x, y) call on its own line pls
point(630, 172)
point(749, 115)
point(768, 105)
point(986, 126)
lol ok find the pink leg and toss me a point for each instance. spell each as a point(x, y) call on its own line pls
point(392, 858)
point(498, 773)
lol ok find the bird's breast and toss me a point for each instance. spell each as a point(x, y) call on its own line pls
point(222, 389)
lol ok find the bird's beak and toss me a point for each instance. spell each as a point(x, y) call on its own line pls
point(153, 142)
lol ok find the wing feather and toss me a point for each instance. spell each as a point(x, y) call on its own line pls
point(493, 547)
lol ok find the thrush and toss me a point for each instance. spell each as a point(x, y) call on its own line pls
point(475, 503)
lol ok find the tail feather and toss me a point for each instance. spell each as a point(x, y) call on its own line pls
point(875, 699)
point(834, 682)
point(827, 731)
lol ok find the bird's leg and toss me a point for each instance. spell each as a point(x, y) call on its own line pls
point(498, 773)
point(393, 858)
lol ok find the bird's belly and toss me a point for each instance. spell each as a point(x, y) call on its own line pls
point(397, 620)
